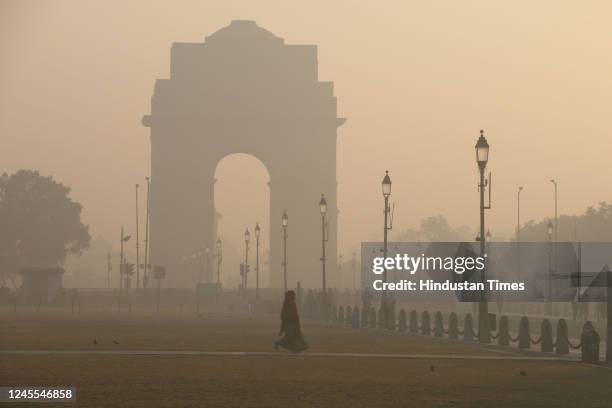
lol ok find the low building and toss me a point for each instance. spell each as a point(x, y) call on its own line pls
point(41, 285)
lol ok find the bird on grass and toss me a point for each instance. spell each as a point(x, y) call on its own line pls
point(523, 373)
point(115, 342)
point(95, 342)
point(432, 368)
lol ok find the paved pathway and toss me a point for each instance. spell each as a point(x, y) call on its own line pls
point(282, 354)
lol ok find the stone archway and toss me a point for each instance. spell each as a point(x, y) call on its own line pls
point(243, 90)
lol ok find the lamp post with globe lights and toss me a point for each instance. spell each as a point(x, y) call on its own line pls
point(323, 210)
point(386, 192)
point(549, 235)
point(257, 233)
point(482, 157)
point(219, 261)
point(247, 238)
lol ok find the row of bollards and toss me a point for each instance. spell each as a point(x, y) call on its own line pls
point(588, 344)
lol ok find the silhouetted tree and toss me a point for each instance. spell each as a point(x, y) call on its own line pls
point(595, 225)
point(39, 223)
point(436, 229)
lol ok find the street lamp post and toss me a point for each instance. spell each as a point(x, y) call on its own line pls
point(323, 210)
point(386, 192)
point(122, 261)
point(518, 214)
point(482, 157)
point(340, 262)
point(354, 268)
point(518, 229)
point(257, 233)
point(109, 268)
point(285, 222)
point(549, 234)
point(146, 277)
point(554, 246)
point(556, 219)
point(219, 260)
point(207, 274)
point(247, 238)
point(137, 243)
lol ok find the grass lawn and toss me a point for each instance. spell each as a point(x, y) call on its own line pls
point(135, 381)
point(275, 381)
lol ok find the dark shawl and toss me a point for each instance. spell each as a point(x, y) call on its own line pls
point(289, 314)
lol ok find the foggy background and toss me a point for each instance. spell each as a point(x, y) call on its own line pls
point(416, 81)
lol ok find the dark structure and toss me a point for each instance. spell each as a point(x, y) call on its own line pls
point(41, 285)
point(243, 90)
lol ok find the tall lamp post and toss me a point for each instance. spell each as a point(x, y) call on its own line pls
point(556, 219)
point(554, 246)
point(482, 157)
point(340, 262)
point(518, 214)
point(219, 260)
point(137, 243)
point(109, 268)
point(247, 238)
point(386, 192)
point(285, 222)
point(518, 228)
point(354, 268)
point(207, 274)
point(323, 210)
point(549, 234)
point(257, 233)
point(146, 277)
point(122, 261)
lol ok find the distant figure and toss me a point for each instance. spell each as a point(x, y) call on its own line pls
point(290, 326)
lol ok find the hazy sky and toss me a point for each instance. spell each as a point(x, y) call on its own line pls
point(416, 80)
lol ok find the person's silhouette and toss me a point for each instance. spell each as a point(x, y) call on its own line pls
point(290, 326)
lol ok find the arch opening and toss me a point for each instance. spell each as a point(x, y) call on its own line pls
point(242, 199)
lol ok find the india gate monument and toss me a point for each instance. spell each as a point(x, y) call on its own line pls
point(243, 90)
